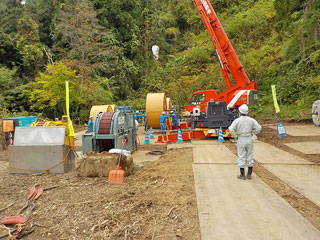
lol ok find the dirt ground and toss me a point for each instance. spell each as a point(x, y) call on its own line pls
point(157, 202)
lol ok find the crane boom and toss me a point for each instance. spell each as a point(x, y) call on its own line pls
point(210, 108)
point(228, 58)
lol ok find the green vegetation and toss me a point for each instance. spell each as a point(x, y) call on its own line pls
point(103, 47)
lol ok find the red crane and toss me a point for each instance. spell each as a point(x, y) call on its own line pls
point(244, 90)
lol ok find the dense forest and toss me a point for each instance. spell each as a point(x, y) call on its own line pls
point(103, 47)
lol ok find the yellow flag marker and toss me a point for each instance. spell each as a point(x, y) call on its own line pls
point(71, 131)
point(275, 102)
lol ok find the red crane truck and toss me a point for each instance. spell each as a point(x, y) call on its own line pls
point(210, 108)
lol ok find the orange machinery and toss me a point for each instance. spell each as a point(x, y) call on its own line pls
point(211, 110)
point(224, 106)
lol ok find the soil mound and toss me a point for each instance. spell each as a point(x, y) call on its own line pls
point(99, 164)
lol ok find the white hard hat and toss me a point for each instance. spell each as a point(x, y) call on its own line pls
point(163, 112)
point(137, 111)
point(244, 109)
point(171, 111)
point(90, 117)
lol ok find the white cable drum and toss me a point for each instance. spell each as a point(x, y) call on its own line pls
point(155, 104)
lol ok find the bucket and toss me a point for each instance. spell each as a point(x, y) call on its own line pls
point(7, 126)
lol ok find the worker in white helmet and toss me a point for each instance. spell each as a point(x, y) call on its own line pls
point(175, 120)
point(163, 126)
point(137, 116)
point(243, 129)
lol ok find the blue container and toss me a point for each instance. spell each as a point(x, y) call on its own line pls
point(281, 130)
point(24, 121)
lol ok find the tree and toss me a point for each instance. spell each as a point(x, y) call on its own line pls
point(29, 45)
point(10, 12)
point(122, 19)
point(43, 12)
point(79, 38)
point(48, 90)
point(8, 87)
point(79, 43)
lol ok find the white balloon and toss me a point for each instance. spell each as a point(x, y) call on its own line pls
point(155, 50)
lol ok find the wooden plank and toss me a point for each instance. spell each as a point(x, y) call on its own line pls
point(217, 153)
point(231, 209)
point(266, 153)
point(206, 141)
point(304, 179)
point(301, 130)
point(305, 147)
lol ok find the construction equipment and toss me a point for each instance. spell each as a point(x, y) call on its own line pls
point(23, 121)
point(109, 129)
point(40, 150)
point(210, 108)
point(7, 133)
point(68, 140)
point(101, 108)
point(156, 103)
point(9, 125)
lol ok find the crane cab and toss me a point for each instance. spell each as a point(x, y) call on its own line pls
point(200, 99)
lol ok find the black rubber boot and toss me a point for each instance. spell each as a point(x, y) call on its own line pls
point(249, 172)
point(242, 174)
